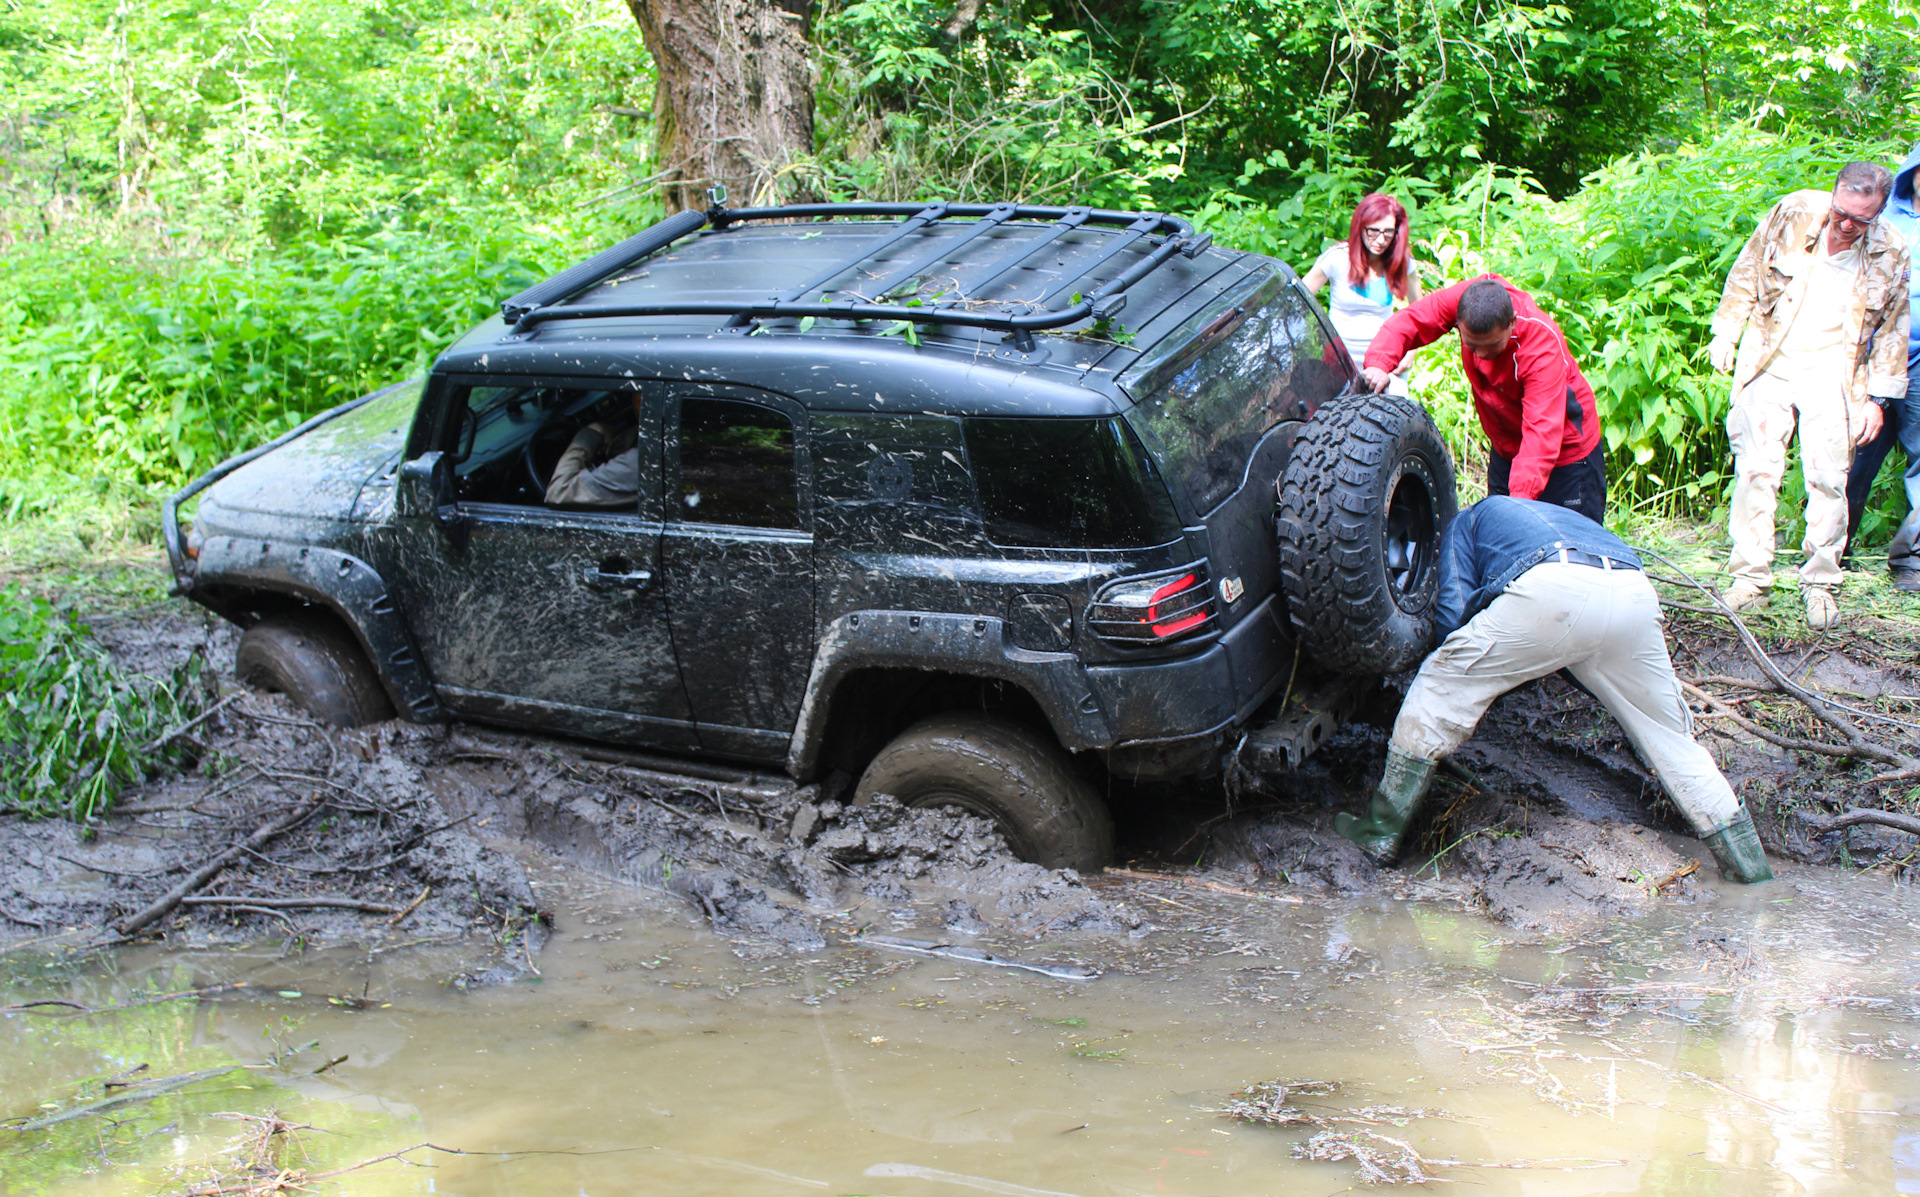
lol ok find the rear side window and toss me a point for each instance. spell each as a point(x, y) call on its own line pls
point(1068, 484)
point(736, 466)
point(1233, 375)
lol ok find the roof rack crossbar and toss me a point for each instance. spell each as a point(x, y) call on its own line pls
point(1135, 231)
point(1073, 219)
point(986, 224)
point(608, 261)
point(922, 216)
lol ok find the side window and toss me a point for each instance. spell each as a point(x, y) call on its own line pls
point(736, 466)
point(1068, 484)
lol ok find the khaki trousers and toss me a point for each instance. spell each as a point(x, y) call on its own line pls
point(1604, 627)
point(1759, 427)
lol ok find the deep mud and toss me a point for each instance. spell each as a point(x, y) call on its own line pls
point(1545, 822)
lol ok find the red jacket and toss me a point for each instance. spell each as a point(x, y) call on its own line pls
point(1535, 405)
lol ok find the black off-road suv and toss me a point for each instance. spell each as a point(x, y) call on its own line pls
point(974, 505)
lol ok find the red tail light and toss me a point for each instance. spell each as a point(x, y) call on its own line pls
point(1159, 608)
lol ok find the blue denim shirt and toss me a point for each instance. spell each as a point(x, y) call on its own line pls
point(1901, 213)
point(1499, 538)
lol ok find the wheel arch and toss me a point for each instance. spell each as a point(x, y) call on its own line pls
point(245, 581)
point(888, 669)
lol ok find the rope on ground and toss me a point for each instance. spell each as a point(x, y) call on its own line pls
point(1858, 746)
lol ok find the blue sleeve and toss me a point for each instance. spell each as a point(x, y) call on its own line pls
point(1459, 575)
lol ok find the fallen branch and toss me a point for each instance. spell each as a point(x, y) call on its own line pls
point(170, 900)
point(138, 1091)
point(1853, 816)
point(1197, 883)
point(1720, 708)
point(189, 725)
point(1905, 767)
point(289, 903)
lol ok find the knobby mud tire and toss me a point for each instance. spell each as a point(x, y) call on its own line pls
point(1367, 494)
point(1025, 783)
point(314, 660)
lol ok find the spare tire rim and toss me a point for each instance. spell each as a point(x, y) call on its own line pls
point(1410, 535)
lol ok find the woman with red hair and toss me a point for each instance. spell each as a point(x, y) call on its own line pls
point(1369, 272)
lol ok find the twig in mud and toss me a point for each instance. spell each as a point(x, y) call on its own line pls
point(106, 872)
point(1394, 1163)
point(205, 991)
point(1719, 707)
point(28, 1007)
point(1685, 870)
point(1763, 687)
point(138, 1091)
point(1713, 1084)
point(1853, 815)
point(289, 903)
point(247, 772)
point(1198, 883)
point(190, 724)
point(410, 907)
point(11, 917)
point(169, 901)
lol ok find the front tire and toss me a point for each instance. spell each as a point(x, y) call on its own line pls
point(314, 660)
point(1367, 494)
point(1023, 782)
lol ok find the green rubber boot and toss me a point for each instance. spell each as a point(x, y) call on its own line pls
point(1737, 849)
point(1398, 795)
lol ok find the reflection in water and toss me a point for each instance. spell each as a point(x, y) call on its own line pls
point(1762, 1045)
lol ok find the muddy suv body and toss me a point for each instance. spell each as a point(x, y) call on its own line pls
point(912, 478)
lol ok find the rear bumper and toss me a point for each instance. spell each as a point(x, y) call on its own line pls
point(1174, 718)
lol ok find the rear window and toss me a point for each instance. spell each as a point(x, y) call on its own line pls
point(1232, 373)
point(1068, 484)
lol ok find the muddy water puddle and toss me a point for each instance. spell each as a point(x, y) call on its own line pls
point(1765, 1043)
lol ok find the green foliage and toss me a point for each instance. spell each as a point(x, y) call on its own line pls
point(73, 729)
point(225, 122)
point(916, 102)
point(164, 367)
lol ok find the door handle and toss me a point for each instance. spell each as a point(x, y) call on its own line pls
point(618, 578)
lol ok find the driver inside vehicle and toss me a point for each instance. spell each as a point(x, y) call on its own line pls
point(601, 467)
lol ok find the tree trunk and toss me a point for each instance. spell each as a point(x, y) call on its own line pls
point(734, 102)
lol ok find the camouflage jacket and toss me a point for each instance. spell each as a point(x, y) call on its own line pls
point(1775, 265)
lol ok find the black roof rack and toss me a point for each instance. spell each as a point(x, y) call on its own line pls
point(539, 304)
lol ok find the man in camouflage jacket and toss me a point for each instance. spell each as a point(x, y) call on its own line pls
point(1821, 292)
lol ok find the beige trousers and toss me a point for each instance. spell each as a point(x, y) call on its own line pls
point(1759, 427)
point(1604, 627)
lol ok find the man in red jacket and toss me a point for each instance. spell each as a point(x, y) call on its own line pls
point(1536, 407)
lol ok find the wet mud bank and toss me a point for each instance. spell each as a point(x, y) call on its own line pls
point(402, 834)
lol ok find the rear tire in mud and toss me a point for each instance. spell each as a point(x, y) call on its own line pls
point(1366, 496)
point(1026, 784)
point(314, 660)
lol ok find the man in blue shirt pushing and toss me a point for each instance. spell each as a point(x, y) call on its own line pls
point(1526, 589)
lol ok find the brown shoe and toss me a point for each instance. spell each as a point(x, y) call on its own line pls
point(1822, 611)
point(1744, 596)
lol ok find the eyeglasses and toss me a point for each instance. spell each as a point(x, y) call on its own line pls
point(1373, 232)
point(1859, 222)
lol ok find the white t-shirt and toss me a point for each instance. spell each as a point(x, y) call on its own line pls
point(1811, 350)
point(1357, 315)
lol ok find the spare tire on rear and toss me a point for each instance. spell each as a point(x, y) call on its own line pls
point(1366, 496)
